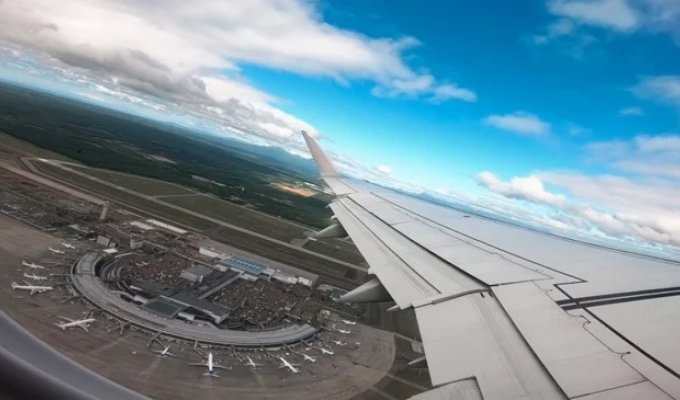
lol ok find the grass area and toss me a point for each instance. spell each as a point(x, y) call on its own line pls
point(18, 147)
point(112, 140)
point(136, 203)
point(152, 187)
point(336, 248)
point(240, 216)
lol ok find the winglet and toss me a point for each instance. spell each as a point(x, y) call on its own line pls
point(326, 168)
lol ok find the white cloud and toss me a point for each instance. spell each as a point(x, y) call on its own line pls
point(638, 211)
point(661, 143)
point(577, 130)
point(641, 205)
point(519, 122)
point(448, 91)
point(614, 14)
point(528, 188)
point(223, 89)
point(631, 112)
point(621, 16)
point(655, 156)
point(558, 28)
point(664, 89)
point(164, 46)
point(383, 169)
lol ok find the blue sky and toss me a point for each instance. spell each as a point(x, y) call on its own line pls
point(561, 112)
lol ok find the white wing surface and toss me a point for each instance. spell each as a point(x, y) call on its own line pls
point(507, 312)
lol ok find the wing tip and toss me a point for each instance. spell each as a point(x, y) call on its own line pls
point(323, 163)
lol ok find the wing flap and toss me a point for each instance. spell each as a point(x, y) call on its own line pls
point(580, 363)
point(471, 336)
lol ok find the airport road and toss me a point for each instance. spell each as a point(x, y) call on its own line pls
point(28, 162)
point(52, 184)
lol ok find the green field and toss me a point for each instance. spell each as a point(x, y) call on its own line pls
point(111, 140)
point(276, 228)
point(152, 187)
point(237, 215)
point(246, 218)
point(133, 202)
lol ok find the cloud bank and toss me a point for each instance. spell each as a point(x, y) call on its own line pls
point(189, 53)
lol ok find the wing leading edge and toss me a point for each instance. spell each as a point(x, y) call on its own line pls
point(499, 306)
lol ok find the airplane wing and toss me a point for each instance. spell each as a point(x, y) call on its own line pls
point(507, 312)
point(220, 366)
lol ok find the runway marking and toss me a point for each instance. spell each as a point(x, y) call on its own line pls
point(163, 196)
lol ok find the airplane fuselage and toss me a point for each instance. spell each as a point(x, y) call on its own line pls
point(32, 265)
point(32, 288)
point(81, 323)
point(35, 277)
point(286, 364)
point(251, 363)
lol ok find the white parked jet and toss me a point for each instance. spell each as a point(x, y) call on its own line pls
point(33, 288)
point(211, 366)
point(348, 322)
point(326, 351)
point(251, 363)
point(339, 342)
point(308, 357)
point(344, 331)
point(35, 277)
point(31, 265)
point(73, 323)
point(68, 245)
point(164, 353)
point(291, 367)
point(55, 251)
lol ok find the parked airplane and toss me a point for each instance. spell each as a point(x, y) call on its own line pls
point(35, 277)
point(326, 351)
point(291, 367)
point(164, 353)
point(348, 322)
point(308, 357)
point(340, 330)
point(55, 251)
point(211, 365)
point(33, 288)
point(31, 265)
point(68, 245)
point(251, 363)
point(339, 342)
point(73, 323)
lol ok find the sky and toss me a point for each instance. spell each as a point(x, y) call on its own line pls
point(560, 113)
